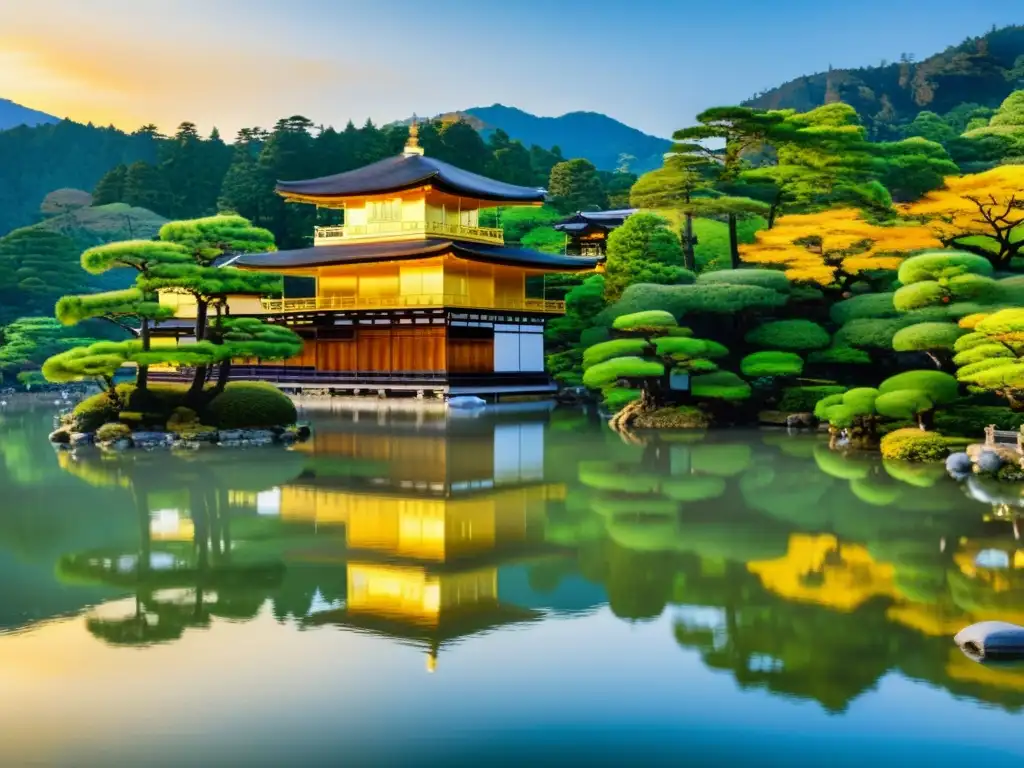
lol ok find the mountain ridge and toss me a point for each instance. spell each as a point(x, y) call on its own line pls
point(13, 114)
point(982, 70)
point(592, 135)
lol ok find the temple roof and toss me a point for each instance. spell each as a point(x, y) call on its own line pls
point(581, 221)
point(394, 174)
point(363, 253)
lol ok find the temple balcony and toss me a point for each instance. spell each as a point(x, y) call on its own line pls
point(399, 230)
point(407, 301)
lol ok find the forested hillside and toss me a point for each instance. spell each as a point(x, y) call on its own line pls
point(978, 73)
point(37, 161)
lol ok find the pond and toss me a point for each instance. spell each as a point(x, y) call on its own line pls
point(513, 585)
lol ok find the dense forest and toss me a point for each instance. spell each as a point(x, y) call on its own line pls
point(965, 82)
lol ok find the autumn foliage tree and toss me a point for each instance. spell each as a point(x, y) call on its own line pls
point(991, 356)
point(982, 213)
point(834, 247)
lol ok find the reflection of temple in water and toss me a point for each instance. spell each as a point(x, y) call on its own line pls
point(428, 517)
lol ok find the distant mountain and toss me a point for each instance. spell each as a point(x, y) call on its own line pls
point(980, 70)
point(597, 137)
point(13, 115)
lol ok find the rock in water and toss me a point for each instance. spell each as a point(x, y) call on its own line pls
point(466, 401)
point(959, 466)
point(992, 640)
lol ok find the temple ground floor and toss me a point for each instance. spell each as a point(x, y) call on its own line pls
point(427, 352)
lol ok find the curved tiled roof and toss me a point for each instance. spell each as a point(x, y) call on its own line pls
point(394, 174)
point(326, 255)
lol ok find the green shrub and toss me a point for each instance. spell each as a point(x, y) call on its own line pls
point(903, 404)
point(915, 445)
point(926, 336)
point(594, 335)
point(939, 265)
point(680, 300)
point(823, 406)
point(790, 335)
point(971, 421)
point(112, 432)
point(250, 404)
point(609, 350)
point(837, 355)
point(763, 278)
point(617, 398)
point(609, 372)
point(870, 332)
point(803, 399)
point(941, 388)
point(772, 363)
point(723, 385)
point(93, 412)
point(652, 318)
point(861, 398)
point(866, 306)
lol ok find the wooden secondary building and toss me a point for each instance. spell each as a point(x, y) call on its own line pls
point(409, 293)
point(587, 231)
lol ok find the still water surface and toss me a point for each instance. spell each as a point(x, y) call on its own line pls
point(511, 587)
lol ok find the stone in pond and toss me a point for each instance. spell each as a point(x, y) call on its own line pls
point(992, 640)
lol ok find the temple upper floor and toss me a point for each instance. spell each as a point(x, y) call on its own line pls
point(418, 214)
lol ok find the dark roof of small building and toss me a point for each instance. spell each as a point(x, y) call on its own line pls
point(581, 221)
point(362, 253)
point(394, 174)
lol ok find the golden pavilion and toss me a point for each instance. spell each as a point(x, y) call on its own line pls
point(410, 293)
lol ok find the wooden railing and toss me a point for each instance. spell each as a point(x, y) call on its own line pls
point(406, 302)
point(334, 235)
point(1012, 437)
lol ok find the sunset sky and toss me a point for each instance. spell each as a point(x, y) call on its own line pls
point(650, 63)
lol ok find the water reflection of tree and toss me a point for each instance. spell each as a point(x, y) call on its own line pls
point(827, 571)
point(197, 574)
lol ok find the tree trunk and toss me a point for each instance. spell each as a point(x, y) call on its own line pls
point(926, 420)
point(223, 374)
point(142, 376)
point(199, 378)
point(734, 242)
point(689, 254)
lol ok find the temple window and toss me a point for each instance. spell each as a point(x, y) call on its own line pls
point(384, 210)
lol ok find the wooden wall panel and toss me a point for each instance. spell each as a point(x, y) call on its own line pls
point(336, 355)
point(373, 351)
point(471, 355)
point(418, 349)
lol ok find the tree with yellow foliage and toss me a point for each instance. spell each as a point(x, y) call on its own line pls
point(832, 247)
point(982, 213)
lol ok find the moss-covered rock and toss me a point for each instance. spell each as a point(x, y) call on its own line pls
point(682, 417)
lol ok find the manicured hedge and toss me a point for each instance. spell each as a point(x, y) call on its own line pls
point(917, 445)
point(242, 404)
point(803, 399)
point(971, 421)
point(790, 335)
point(250, 404)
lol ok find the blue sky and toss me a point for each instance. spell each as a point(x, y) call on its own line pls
point(651, 63)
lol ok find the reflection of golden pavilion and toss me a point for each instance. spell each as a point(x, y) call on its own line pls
point(428, 521)
point(818, 569)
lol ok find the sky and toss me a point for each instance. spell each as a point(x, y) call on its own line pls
point(652, 64)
